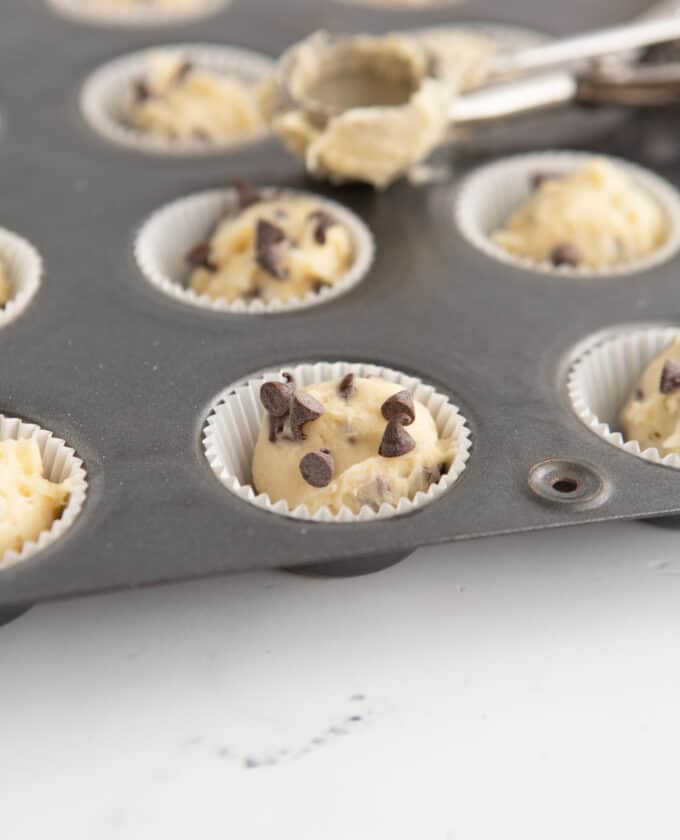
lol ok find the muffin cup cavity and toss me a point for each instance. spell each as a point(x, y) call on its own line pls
point(602, 379)
point(167, 236)
point(105, 97)
point(23, 266)
point(488, 197)
point(111, 15)
point(60, 463)
point(233, 426)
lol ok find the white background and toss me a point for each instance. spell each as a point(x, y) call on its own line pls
point(523, 687)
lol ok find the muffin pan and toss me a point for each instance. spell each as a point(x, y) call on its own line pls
point(128, 375)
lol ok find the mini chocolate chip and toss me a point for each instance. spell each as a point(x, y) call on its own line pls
point(399, 407)
point(199, 256)
point(670, 377)
point(323, 221)
point(638, 394)
point(142, 91)
point(304, 408)
point(275, 397)
point(183, 70)
point(252, 294)
point(271, 244)
point(396, 440)
point(247, 194)
point(317, 468)
point(276, 427)
point(346, 386)
point(443, 469)
point(565, 254)
point(539, 178)
point(317, 286)
point(288, 376)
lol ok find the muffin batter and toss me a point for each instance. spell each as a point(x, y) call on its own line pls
point(594, 217)
point(272, 249)
point(350, 442)
point(652, 414)
point(5, 287)
point(374, 106)
point(29, 503)
point(177, 100)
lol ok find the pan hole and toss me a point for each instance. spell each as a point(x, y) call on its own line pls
point(565, 481)
point(566, 485)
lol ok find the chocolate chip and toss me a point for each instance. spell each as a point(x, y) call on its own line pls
point(317, 286)
point(670, 377)
point(276, 397)
point(396, 441)
point(539, 178)
point(142, 91)
point(317, 468)
point(399, 407)
point(288, 376)
point(638, 394)
point(304, 408)
point(247, 194)
point(323, 221)
point(271, 245)
point(199, 257)
point(565, 254)
point(183, 70)
point(346, 386)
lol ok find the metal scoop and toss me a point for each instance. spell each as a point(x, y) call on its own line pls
point(534, 93)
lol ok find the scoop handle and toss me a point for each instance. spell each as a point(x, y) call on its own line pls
point(573, 50)
point(510, 99)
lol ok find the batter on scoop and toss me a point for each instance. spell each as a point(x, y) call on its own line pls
point(177, 100)
point(652, 414)
point(272, 249)
point(5, 287)
point(595, 217)
point(29, 502)
point(365, 442)
point(385, 98)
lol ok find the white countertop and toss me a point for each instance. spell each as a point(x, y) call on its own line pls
point(524, 687)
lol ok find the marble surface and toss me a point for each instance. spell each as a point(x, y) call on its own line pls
point(524, 687)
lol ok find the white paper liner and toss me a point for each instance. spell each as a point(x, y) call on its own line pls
point(166, 237)
point(602, 380)
point(106, 95)
point(507, 35)
point(24, 267)
point(60, 463)
point(232, 428)
point(488, 197)
point(88, 12)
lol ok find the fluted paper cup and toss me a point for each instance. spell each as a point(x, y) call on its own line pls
point(490, 195)
point(603, 378)
point(104, 14)
point(233, 426)
point(106, 96)
point(24, 268)
point(166, 237)
point(60, 464)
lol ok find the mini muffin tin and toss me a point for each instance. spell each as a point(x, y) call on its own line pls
point(127, 375)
